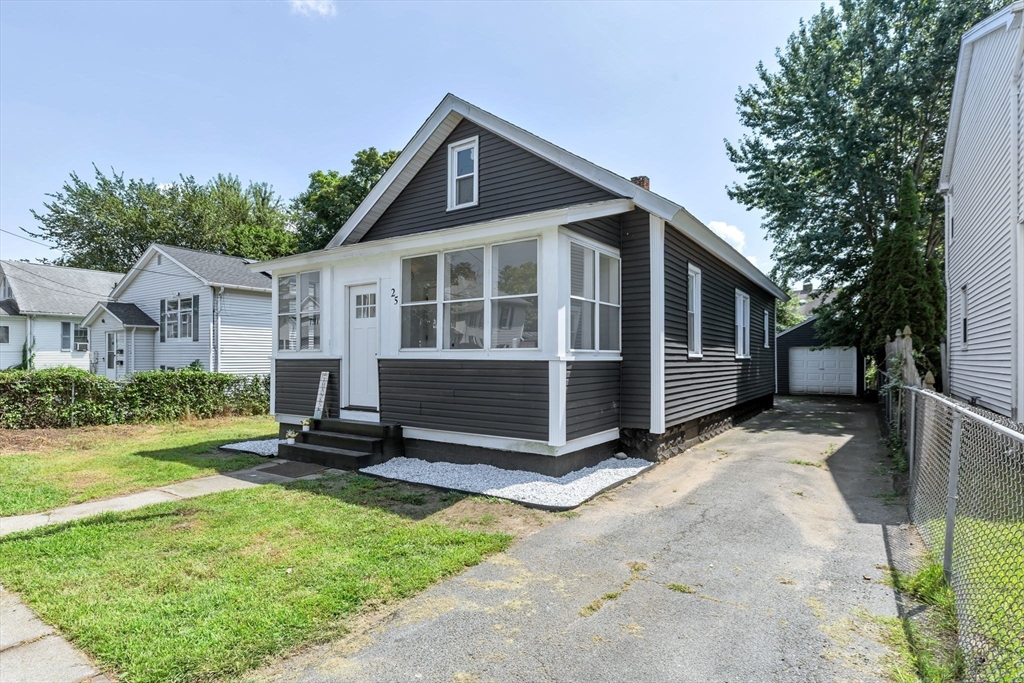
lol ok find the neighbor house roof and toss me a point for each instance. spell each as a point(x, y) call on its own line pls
point(130, 315)
point(213, 270)
point(56, 290)
point(807, 321)
point(1005, 19)
point(453, 110)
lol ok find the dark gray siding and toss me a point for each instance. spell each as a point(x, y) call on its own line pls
point(635, 369)
point(805, 336)
point(606, 230)
point(497, 398)
point(512, 182)
point(591, 398)
point(697, 387)
point(296, 381)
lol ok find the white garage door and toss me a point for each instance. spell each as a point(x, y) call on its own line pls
point(825, 371)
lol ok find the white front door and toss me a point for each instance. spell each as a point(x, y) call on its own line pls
point(823, 371)
point(110, 361)
point(362, 347)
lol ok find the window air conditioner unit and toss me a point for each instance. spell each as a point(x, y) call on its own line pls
point(82, 346)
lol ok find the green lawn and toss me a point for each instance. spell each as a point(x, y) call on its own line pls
point(45, 469)
point(214, 586)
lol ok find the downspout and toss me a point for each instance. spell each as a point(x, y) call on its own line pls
point(131, 364)
point(218, 300)
point(1017, 233)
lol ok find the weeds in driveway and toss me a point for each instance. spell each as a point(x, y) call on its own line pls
point(888, 498)
point(807, 463)
point(211, 587)
point(679, 588)
point(634, 573)
point(830, 449)
point(45, 469)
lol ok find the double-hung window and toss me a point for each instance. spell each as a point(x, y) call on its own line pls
point(298, 312)
point(742, 325)
point(693, 312)
point(74, 337)
point(178, 318)
point(65, 336)
point(488, 298)
point(594, 300)
point(767, 327)
point(463, 173)
point(81, 338)
point(5, 334)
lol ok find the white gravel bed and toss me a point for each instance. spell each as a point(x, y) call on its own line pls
point(524, 487)
point(267, 447)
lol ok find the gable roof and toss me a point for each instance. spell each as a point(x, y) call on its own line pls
point(1008, 18)
point(130, 315)
point(56, 290)
point(809, 319)
point(213, 270)
point(453, 110)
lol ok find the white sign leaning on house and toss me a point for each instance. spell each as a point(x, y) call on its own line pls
point(321, 395)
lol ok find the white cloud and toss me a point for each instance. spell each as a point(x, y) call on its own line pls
point(310, 8)
point(730, 233)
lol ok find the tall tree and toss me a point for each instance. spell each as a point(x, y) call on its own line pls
point(109, 224)
point(860, 93)
point(330, 199)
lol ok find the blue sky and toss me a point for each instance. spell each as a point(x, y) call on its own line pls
point(271, 91)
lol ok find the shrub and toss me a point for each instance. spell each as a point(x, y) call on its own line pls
point(65, 397)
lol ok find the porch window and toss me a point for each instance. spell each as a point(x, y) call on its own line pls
point(594, 300)
point(488, 299)
point(462, 173)
point(693, 312)
point(742, 324)
point(298, 312)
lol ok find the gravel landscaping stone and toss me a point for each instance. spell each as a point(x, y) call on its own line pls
point(523, 487)
point(267, 447)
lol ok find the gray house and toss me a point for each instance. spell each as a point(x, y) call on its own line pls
point(177, 306)
point(498, 299)
point(983, 183)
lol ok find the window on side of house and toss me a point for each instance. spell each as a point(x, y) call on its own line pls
point(298, 312)
point(65, 336)
point(963, 316)
point(742, 325)
point(179, 318)
point(5, 334)
point(767, 328)
point(594, 300)
point(463, 173)
point(694, 341)
point(81, 338)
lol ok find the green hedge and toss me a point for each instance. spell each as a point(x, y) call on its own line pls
point(65, 397)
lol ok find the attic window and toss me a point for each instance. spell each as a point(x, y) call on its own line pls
point(5, 290)
point(463, 176)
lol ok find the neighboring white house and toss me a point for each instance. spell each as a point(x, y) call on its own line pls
point(177, 306)
point(44, 306)
point(983, 184)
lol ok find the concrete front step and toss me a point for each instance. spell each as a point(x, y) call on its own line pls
point(338, 458)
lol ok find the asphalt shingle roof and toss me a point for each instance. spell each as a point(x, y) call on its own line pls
point(218, 269)
point(130, 314)
point(41, 288)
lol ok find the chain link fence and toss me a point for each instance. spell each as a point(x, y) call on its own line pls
point(967, 500)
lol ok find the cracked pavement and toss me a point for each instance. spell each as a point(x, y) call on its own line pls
point(726, 563)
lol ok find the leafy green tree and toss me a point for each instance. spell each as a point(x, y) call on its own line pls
point(860, 93)
point(787, 315)
point(109, 224)
point(322, 209)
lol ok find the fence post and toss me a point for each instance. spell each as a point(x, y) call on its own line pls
point(954, 473)
point(912, 430)
point(72, 404)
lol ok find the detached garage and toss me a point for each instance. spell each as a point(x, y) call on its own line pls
point(805, 367)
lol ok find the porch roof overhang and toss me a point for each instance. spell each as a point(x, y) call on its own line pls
point(129, 315)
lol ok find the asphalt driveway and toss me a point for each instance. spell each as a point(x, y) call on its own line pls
point(727, 563)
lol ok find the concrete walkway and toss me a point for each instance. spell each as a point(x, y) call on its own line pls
point(32, 651)
point(727, 563)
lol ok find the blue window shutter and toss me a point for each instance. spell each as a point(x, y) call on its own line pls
point(195, 317)
point(163, 320)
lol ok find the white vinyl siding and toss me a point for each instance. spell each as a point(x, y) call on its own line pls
point(50, 350)
point(246, 332)
point(980, 256)
point(10, 353)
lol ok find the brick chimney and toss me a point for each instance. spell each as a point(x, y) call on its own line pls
point(641, 180)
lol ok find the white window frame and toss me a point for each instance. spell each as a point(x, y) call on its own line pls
point(694, 307)
point(598, 253)
point(742, 325)
point(75, 329)
point(70, 336)
point(178, 318)
point(453, 150)
point(488, 299)
point(767, 326)
point(298, 313)
point(5, 334)
point(963, 317)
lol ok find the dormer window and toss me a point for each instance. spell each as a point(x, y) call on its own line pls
point(5, 290)
point(463, 176)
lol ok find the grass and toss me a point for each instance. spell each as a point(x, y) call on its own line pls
point(680, 588)
point(212, 587)
point(807, 463)
point(45, 469)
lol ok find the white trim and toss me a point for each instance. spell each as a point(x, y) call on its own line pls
point(657, 259)
point(453, 177)
point(698, 312)
point(368, 416)
point(1017, 243)
point(558, 377)
point(767, 330)
point(741, 323)
point(503, 443)
point(452, 110)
